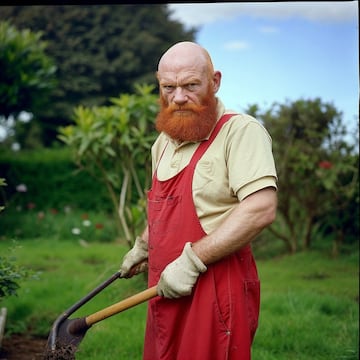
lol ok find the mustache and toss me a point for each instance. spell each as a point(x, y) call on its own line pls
point(171, 108)
point(187, 122)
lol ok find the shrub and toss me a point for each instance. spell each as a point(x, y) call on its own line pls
point(48, 178)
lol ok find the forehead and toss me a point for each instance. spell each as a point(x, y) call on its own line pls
point(181, 70)
point(181, 76)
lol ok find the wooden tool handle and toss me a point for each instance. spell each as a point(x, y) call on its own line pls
point(121, 306)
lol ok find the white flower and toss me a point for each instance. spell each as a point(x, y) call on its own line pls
point(86, 223)
point(21, 188)
point(76, 231)
point(67, 209)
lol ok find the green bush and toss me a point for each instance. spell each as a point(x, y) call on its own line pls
point(11, 274)
point(49, 178)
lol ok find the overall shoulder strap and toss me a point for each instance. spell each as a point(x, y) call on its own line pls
point(205, 144)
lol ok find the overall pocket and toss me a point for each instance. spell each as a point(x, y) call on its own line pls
point(252, 298)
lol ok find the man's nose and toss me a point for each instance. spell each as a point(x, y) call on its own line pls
point(180, 96)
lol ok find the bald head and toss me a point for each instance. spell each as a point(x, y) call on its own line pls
point(187, 62)
point(186, 54)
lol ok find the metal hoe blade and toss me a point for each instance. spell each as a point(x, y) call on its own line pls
point(63, 339)
point(66, 334)
point(69, 333)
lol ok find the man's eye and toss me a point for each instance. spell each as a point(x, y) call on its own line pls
point(168, 88)
point(191, 87)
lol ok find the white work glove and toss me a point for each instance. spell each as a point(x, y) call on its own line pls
point(179, 277)
point(135, 261)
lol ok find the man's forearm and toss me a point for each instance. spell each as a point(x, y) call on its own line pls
point(246, 221)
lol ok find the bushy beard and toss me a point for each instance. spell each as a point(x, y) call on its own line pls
point(189, 122)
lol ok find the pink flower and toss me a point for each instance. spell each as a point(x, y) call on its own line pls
point(325, 164)
point(84, 216)
point(99, 226)
point(54, 211)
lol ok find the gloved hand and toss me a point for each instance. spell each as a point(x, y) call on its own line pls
point(135, 261)
point(179, 277)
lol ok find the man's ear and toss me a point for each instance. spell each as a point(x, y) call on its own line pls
point(216, 81)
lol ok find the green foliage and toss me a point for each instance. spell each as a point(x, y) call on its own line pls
point(113, 143)
point(69, 223)
point(11, 274)
point(317, 169)
point(40, 180)
point(100, 50)
point(27, 73)
point(2, 183)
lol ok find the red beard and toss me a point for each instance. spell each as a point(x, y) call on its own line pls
point(189, 122)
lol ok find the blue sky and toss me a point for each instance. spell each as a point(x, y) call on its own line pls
point(278, 51)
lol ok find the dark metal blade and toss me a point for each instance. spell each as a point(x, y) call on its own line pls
point(69, 334)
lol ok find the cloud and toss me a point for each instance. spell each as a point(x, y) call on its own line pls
point(197, 14)
point(236, 45)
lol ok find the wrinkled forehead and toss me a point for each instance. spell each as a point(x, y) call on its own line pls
point(182, 68)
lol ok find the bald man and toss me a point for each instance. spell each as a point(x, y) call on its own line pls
point(214, 189)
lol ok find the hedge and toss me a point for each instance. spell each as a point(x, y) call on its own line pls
point(49, 178)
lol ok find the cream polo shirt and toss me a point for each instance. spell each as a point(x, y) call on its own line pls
point(237, 163)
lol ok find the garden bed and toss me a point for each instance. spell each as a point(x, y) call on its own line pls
point(22, 347)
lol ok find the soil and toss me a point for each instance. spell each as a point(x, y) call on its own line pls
point(22, 347)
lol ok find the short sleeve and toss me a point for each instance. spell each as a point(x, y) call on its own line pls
point(250, 159)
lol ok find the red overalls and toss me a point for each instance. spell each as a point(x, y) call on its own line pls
point(219, 319)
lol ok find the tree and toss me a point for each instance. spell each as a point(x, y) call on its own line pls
point(113, 143)
point(27, 73)
point(317, 170)
point(101, 50)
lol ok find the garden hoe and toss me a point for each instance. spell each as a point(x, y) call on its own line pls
point(66, 334)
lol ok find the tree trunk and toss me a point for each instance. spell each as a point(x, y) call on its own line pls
point(307, 237)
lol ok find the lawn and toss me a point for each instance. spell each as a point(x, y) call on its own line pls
point(309, 306)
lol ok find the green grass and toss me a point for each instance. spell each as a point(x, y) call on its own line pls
point(309, 305)
point(67, 272)
point(309, 308)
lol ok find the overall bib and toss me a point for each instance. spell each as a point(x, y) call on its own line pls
point(219, 319)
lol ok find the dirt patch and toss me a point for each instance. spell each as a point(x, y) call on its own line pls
point(22, 347)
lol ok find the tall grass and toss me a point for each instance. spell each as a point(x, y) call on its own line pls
point(309, 306)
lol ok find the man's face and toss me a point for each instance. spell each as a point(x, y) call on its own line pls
point(188, 104)
point(183, 84)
